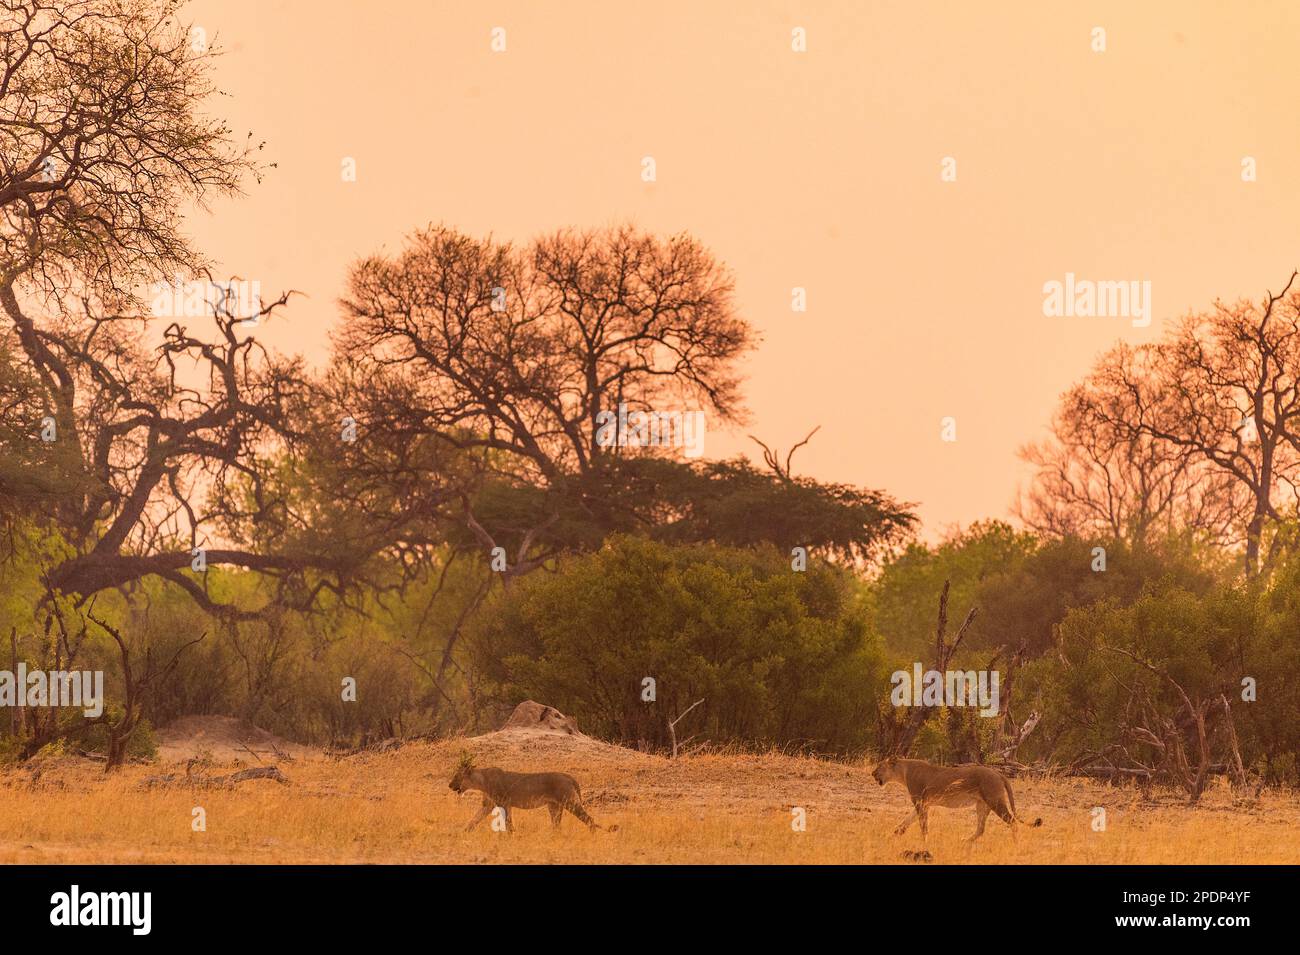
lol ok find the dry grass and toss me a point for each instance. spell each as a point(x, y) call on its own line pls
point(396, 808)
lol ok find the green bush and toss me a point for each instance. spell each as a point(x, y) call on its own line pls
point(779, 657)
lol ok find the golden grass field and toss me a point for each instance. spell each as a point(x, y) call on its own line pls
point(395, 807)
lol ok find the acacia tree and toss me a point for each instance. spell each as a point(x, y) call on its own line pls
point(168, 435)
point(105, 143)
point(478, 371)
point(32, 472)
point(1203, 428)
point(517, 351)
point(511, 355)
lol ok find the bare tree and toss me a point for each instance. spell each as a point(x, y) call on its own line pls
point(1148, 725)
point(772, 457)
point(139, 682)
point(901, 733)
point(511, 355)
point(165, 442)
point(1202, 429)
point(672, 728)
point(105, 142)
point(1092, 479)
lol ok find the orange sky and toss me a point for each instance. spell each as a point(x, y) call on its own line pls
point(817, 169)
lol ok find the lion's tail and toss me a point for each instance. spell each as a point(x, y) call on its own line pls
point(1011, 802)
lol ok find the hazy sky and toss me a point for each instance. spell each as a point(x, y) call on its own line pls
point(819, 169)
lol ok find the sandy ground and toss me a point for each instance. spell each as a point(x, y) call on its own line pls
point(223, 739)
point(396, 807)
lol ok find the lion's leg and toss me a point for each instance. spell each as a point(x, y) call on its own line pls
point(479, 816)
point(510, 826)
point(557, 813)
point(907, 823)
point(919, 816)
point(981, 814)
point(923, 817)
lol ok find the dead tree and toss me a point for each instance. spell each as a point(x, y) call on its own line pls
point(772, 458)
point(1236, 768)
point(1167, 736)
point(904, 735)
point(1214, 402)
point(58, 651)
point(1010, 733)
point(672, 727)
point(138, 685)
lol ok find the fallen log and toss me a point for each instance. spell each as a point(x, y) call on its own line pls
point(381, 746)
point(101, 758)
point(1109, 772)
point(213, 782)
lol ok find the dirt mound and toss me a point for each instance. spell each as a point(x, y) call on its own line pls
point(539, 733)
point(544, 749)
point(224, 739)
point(540, 718)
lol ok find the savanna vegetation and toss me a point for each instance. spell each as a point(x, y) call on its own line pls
point(431, 514)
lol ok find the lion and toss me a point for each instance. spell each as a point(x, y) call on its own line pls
point(556, 791)
point(952, 787)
